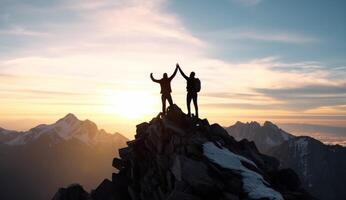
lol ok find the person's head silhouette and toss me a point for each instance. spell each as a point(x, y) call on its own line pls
point(165, 75)
point(192, 75)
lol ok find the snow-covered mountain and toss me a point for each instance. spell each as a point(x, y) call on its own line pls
point(265, 137)
point(69, 127)
point(34, 163)
point(321, 167)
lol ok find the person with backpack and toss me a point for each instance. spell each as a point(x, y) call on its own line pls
point(193, 87)
point(165, 84)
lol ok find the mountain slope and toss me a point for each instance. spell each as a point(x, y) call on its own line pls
point(34, 163)
point(321, 167)
point(177, 157)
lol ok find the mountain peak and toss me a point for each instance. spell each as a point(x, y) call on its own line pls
point(70, 117)
point(239, 123)
point(179, 157)
point(255, 124)
point(270, 124)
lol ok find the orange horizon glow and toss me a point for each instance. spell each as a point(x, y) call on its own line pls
point(97, 66)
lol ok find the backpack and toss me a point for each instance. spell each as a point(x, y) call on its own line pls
point(197, 84)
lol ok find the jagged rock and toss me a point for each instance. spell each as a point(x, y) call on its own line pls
point(72, 192)
point(141, 128)
point(124, 153)
point(118, 163)
point(167, 160)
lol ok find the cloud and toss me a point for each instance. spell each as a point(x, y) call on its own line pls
point(41, 93)
point(21, 31)
point(331, 72)
point(246, 106)
point(263, 36)
point(277, 37)
point(308, 96)
point(319, 90)
point(231, 95)
point(106, 35)
point(247, 2)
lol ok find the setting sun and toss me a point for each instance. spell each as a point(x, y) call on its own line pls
point(130, 104)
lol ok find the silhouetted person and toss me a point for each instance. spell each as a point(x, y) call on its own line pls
point(166, 90)
point(193, 87)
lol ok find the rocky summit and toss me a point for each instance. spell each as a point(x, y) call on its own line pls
point(176, 157)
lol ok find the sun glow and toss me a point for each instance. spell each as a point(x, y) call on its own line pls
point(130, 104)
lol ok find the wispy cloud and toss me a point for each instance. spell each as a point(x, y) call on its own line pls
point(308, 96)
point(41, 93)
point(245, 106)
point(264, 36)
point(247, 2)
point(21, 31)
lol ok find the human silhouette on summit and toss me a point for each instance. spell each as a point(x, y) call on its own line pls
point(166, 90)
point(193, 87)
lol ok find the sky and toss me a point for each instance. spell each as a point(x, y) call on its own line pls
point(283, 61)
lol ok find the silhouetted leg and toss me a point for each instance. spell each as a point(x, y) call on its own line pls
point(188, 102)
point(195, 103)
point(170, 101)
point(163, 99)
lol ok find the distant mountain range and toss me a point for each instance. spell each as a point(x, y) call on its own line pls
point(320, 166)
point(36, 162)
point(265, 137)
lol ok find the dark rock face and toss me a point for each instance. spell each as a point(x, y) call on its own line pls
point(168, 160)
point(321, 167)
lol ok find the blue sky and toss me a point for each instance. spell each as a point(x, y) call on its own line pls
point(309, 30)
point(258, 59)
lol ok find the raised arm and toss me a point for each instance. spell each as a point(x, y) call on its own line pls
point(182, 73)
point(174, 73)
point(153, 79)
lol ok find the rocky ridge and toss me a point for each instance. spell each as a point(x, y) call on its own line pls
point(266, 136)
point(180, 158)
point(321, 167)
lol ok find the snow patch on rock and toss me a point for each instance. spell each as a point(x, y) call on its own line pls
point(254, 184)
